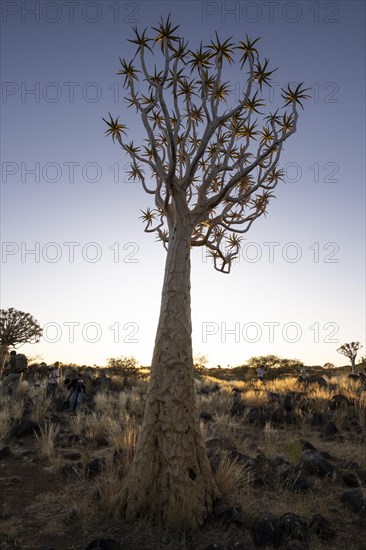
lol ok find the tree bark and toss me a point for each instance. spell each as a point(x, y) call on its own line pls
point(170, 476)
point(353, 364)
point(3, 357)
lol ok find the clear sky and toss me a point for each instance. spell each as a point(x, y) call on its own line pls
point(74, 253)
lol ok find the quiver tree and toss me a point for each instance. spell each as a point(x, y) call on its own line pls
point(350, 350)
point(211, 168)
point(16, 328)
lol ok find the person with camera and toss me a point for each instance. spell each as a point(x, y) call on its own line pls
point(77, 388)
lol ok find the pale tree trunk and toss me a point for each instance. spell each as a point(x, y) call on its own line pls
point(3, 356)
point(170, 476)
point(353, 364)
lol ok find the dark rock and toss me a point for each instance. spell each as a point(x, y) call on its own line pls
point(266, 531)
point(238, 407)
point(103, 544)
point(239, 546)
point(315, 463)
point(320, 526)
point(278, 416)
point(229, 514)
point(306, 445)
point(294, 527)
point(289, 401)
point(73, 438)
point(215, 546)
point(243, 459)
point(206, 417)
point(215, 457)
point(219, 443)
point(295, 545)
point(293, 479)
point(351, 423)
point(72, 456)
point(257, 416)
point(350, 479)
point(102, 442)
point(338, 401)
point(94, 467)
point(71, 471)
point(274, 397)
point(316, 380)
point(318, 419)
point(355, 500)
point(5, 452)
point(24, 428)
point(330, 431)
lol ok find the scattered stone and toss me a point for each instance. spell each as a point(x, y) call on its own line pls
point(23, 428)
point(71, 471)
point(293, 526)
point(266, 531)
point(330, 431)
point(295, 545)
point(278, 416)
point(318, 419)
point(315, 463)
point(350, 479)
point(238, 407)
point(103, 544)
point(215, 457)
point(320, 526)
point(72, 456)
point(274, 397)
point(5, 452)
point(257, 416)
point(292, 477)
point(355, 500)
point(229, 514)
point(206, 417)
point(94, 467)
point(289, 401)
point(338, 401)
point(307, 446)
point(215, 546)
point(239, 546)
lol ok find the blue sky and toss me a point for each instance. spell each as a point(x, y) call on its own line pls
point(94, 277)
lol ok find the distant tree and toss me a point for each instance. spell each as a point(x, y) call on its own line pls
point(211, 163)
point(328, 366)
point(123, 366)
point(273, 361)
point(16, 328)
point(350, 350)
point(199, 364)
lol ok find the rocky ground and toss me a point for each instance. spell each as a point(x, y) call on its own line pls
point(289, 459)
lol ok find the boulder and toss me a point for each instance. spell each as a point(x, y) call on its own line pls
point(355, 500)
point(315, 463)
point(266, 531)
point(24, 428)
point(321, 527)
point(103, 544)
point(294, 527)
point(94, 467)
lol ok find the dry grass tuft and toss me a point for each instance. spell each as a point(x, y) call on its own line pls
point(46, 440)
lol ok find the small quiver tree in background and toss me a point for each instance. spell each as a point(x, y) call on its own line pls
point(350, 350)
point(16, 328)
point(211, 167)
